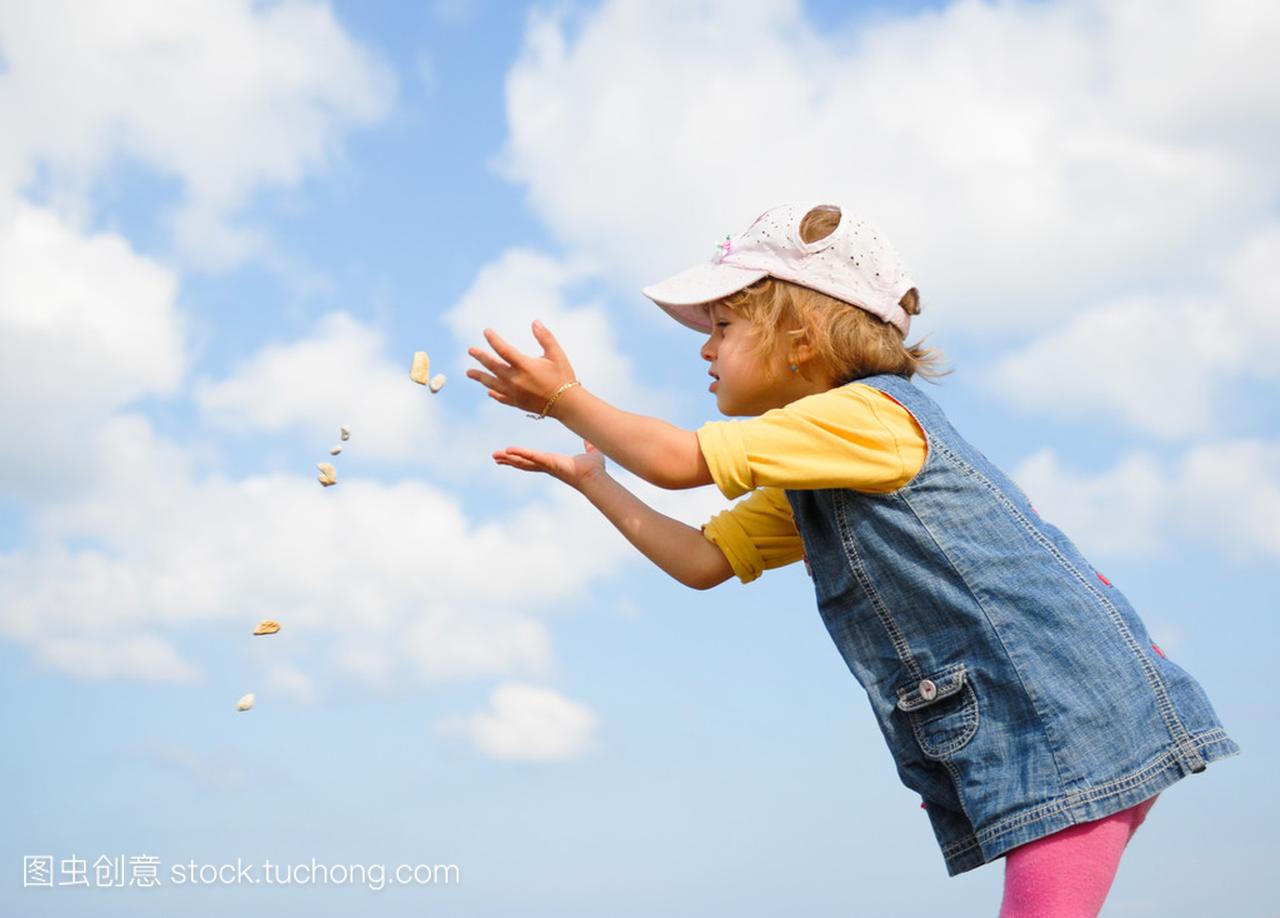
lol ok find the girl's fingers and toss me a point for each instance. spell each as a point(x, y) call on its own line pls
point(520, 451)
point(520, 459)
point(521, 464)
point(489, 381)
point(504, 350)
point(550, 346)
point(539, 459)
point(489, 362)
point(507, 455)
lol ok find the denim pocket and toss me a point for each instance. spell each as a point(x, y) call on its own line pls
point(943, 711)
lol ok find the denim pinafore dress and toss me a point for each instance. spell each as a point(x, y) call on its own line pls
point(1018, 690)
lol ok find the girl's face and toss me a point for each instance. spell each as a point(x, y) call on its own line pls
point(747, 382)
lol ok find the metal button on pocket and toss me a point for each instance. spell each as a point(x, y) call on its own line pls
point(942, 710)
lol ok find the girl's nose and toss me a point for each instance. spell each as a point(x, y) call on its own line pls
point(707, 353)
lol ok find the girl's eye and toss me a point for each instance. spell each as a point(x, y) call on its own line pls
point(723, 323)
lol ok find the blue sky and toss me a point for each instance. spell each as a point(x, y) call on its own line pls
point(225, 229)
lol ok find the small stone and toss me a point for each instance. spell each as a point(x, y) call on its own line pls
point(345, 433)
point(421, 368)
point(334, 450)
point(245, 703)
point(437, 382)
point(328, 474)
point(267, 626)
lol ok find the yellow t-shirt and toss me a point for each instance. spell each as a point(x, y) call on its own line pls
point(852, 436)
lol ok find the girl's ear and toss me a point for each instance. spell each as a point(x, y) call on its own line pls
point(801, 349)
point(803, 354)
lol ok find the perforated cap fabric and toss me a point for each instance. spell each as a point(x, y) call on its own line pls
point(856, 264)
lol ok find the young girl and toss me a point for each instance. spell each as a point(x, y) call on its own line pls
point(1019, 692)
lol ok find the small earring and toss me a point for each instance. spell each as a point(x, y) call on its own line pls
point(795, 368)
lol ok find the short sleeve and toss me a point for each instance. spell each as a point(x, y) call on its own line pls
point(756, 534)
point(852, 436)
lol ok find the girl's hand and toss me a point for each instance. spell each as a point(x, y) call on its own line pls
point(519, 379)
point(572, 470)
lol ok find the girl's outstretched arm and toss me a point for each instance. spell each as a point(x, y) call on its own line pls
point(680, 550)
point(660, 453)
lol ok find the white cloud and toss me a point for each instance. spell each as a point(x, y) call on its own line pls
point(398, 571)
point(1160, 365)
point(527, 723)
point(92, 309)
point(1230, 492)
point(1115, 512)
point(86, 326)
point(227, 96)
point(1150, 364)
point(1224, 493)
point(393, 577)
point(1024, 156)
point(145, 658)
point(341, 374)
point(130, 539)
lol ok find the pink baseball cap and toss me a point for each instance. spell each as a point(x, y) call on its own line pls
point(856, 263)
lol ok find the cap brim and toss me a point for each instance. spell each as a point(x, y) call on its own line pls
point(684, 295)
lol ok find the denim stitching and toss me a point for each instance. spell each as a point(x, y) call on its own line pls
point(1040, 716)
point(1164, 703)
point(970, 841)
point(1160, 763)
point(1177, 731)
point(971, 715)
point(954, 677)
point(961, 847)
point(1163, 762)
point(900, 646)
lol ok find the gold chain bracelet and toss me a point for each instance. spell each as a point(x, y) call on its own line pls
point(555, 397)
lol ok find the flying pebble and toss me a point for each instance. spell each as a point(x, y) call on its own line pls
point(421, 368)
point(437, 382)
point(334, 450)
point(328, 474)
point(267, 626)
point(245, 703)
point(345, 433)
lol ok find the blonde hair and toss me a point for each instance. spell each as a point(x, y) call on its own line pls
point(848, 342)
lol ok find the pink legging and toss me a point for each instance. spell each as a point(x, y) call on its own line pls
point(1068, 874)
